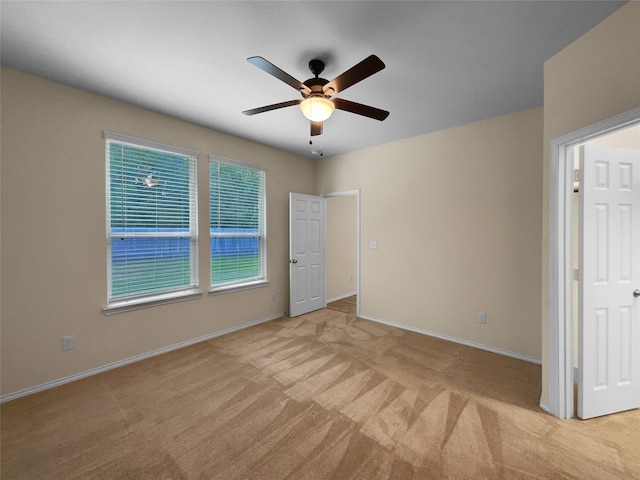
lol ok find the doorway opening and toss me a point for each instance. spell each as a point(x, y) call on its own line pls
point(342, 258)
point(561, 258)
point(346, 305)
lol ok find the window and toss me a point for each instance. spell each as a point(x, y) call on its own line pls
point(237, 225)
point(152, 225)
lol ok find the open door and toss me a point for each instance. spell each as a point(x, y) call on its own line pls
point(609, 291)
point(306, 253)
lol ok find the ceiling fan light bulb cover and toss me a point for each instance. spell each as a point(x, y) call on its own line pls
point(317, 109)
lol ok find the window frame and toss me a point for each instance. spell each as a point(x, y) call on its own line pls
point(253, 282)
point(169, 295)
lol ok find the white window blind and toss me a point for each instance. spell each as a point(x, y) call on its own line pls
point(237, 222)
point(152, 228)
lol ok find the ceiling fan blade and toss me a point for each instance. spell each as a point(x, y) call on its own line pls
point(280, 74)
point(358, 72)
point(316, 128)
point(275, 106)
point(360, 109)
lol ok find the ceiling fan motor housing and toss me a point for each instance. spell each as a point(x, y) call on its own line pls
point(315, 84)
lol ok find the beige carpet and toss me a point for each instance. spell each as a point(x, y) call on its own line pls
point(323, 396)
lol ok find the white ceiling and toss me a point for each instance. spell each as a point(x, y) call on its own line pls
point(447, 62)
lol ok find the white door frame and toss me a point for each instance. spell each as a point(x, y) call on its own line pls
point(357, 195)
point(561, 259)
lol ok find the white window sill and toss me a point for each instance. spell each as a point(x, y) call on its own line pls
point(135, 304)
point(238, 287)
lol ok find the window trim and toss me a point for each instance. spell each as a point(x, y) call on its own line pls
point(122, 306)
point(190, 292)
point(141, 142)
point(254, 282)
point(236, 287)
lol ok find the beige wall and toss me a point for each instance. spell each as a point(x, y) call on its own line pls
point(594, 78)
point(54, 241)
point(341, 246)
point(456, 218)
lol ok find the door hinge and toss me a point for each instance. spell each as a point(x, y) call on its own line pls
point(576, 274)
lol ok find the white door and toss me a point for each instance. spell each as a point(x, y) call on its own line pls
point(306, 253)
point(609, 293)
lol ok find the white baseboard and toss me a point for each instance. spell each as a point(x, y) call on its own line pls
point(136, 358)
point(340, 297)
point(160, 351)
point(461, 341)
point(545, 407)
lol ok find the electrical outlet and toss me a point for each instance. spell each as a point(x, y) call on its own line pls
point(69, 342)
point(373, 244)
point(482, 317)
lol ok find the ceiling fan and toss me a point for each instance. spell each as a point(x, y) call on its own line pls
point(317, 103)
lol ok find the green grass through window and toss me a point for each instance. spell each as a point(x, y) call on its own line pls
point(226, 268)
point(175, 273)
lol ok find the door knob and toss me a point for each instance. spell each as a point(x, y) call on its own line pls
point(636, 293)
point(296, 261)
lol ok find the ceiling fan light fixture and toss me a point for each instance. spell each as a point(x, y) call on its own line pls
point(317, 109)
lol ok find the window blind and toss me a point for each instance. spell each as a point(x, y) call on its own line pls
point(152, 230)
point(237, 222)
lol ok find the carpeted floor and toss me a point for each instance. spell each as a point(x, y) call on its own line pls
point(322, 396)
point(345, 305)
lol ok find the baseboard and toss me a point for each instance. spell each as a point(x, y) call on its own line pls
point(340, 297)
point(461, 341)
point(545, 407)
point(136, 358)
